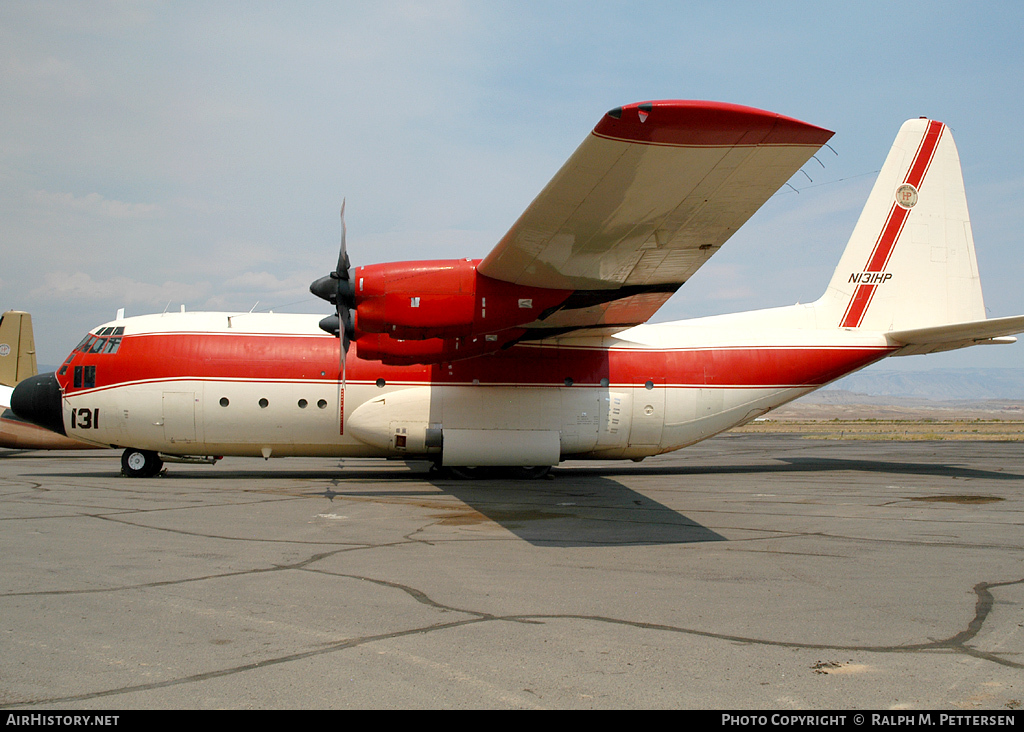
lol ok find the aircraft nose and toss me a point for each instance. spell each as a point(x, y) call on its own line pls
point(37, 399)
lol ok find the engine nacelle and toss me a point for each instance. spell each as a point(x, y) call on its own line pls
point(443, 299)
point(395, 352)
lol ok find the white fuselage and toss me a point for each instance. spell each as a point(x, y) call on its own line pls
point(270, 385)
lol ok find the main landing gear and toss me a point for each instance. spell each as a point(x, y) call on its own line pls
point(140, 463)
point(513, 472)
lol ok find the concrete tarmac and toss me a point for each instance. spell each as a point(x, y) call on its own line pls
point(746, 572)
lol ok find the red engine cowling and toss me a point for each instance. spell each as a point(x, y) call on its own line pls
point(443, 299)
point(394, 352)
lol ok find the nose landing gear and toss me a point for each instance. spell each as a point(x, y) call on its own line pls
point(140, 463)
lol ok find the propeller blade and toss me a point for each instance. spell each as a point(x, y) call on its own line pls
point(344, 265)
point(348, 330)
point(345, 300)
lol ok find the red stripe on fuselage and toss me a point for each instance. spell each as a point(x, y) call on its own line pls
point(894, 223)
point(310, 358)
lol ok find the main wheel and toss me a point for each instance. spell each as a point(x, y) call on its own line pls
point(513, 472)
point(528, 472)
point(140, 463)
point(461, 472)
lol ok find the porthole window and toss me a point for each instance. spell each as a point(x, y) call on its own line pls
point(264, 403)
point(224, 401)
point(568, 381)
point(303, 404)
point(322, 404)
point(604, 382)
point(649, 385)
point(381, 383)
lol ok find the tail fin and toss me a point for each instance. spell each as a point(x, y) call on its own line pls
point(910, 262)
point(17, 347)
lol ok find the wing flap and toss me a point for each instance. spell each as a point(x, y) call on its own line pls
point(595, 309)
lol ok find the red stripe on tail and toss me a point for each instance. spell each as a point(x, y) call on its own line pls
point(894, 223)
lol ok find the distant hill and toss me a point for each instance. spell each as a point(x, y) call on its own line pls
point(934, 384)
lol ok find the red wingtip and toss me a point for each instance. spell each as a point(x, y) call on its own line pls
point(694, 122)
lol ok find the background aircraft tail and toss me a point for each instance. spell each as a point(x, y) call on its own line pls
point(17, 347)
point(910, 262)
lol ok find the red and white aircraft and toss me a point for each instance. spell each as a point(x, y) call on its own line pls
point(539, 352)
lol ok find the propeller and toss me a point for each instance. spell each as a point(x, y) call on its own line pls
point(337, 289)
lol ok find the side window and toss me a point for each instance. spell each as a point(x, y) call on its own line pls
point(64, 367)
point(85, 377)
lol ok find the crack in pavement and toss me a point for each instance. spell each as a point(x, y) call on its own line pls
point(957, 643)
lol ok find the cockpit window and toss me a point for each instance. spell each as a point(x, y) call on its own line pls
point(101, 344)
point(105, 341)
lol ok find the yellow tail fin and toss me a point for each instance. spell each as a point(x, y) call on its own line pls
point(17, 347)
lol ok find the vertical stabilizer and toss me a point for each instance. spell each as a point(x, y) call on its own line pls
point(17, 347)
point(910, 262)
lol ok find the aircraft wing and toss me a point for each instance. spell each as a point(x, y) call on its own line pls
point(649, 196)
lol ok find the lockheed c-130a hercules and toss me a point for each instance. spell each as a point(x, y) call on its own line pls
point(540, 351)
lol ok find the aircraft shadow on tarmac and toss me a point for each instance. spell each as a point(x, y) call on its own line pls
point(808, 465)
point(580, 505)
point(586, 511)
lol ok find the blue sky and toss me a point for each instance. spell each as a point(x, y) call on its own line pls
point(156, 154)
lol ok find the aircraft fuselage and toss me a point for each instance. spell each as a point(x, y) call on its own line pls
point(265, 384)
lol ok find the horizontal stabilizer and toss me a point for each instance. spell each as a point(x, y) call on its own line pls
point(957, 335)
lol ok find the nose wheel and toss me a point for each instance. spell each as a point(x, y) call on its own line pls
point(140, 463)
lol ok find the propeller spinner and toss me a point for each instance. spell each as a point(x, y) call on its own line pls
point(337, 289)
